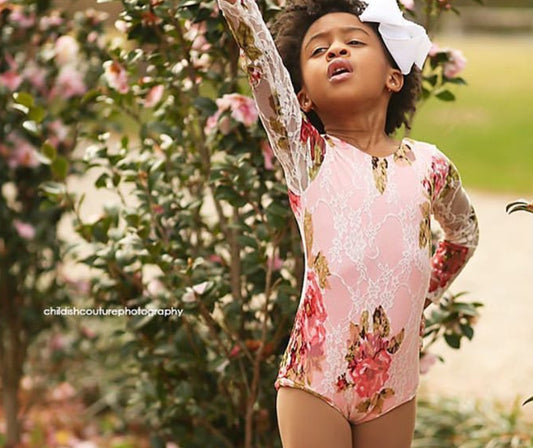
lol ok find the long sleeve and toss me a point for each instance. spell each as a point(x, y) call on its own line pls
point(295, 142)
point(457, 218)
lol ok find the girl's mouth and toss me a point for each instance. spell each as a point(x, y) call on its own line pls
point(339, 70)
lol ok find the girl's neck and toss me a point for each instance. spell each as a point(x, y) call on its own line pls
point(371, 141)
point(363, 129)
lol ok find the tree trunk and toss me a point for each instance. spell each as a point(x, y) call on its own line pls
point(11, 357)
point(11, 385)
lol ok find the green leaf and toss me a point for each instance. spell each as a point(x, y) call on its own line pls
point(36, 114)
point(468, 331)
point(23, 98)
point(49, 151)
point(453, 340)
point(60, 167)
point(206, 105)
point(53, 189)
point(445, 95)
point(458, 81)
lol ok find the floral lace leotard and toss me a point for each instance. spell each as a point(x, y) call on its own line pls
point(365, 225)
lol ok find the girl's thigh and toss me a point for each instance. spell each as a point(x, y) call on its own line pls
point(306, 421)
point(393, 429)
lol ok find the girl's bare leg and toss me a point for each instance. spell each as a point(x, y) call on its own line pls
point(306, 421)
point(392, 430)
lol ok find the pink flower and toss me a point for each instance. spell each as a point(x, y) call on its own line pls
point(371, 373)
point(63, 391)
point(21, 19)
point(69, 83)
point(242, 108)
point(154, 95)
point(122, 26)
point(408, 4)
point(426, 362)
point(267, 154)
point(58, 132)
point(57, 343)
point(196, 34)
point(215, 258)
point(52, 20)
point(87, 332)
point(313, 312)
point(448, 260)
point(276, 262)
point(66, 50)
point(11, 80)
point(35, 74)
point(295, 202)
point(20, 153)
point(369, 370)
point(116, 76)
point(24, 229)
point(456, 63)
point(434, 49)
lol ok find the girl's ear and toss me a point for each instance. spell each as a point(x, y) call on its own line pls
point(305, 102)
point(394, 81)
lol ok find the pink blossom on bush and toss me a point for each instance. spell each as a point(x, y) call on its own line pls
point(11, 80)
point(96, 17)
point(116, 76)
point(22, 20)
point(426, 362)
point(54, 19)
point(242, 107)
point(57, 343)
point(20, 153)
point(434, 49)
point(69, 83)
point(408, 4)
point(66, 50)
point(24, 229)
point(154, 95)
point(59, 132)
point(456, 63)
point(122, 26)
point(267, 154)
point(196, 34)
point(63, 391)
point(35, 74)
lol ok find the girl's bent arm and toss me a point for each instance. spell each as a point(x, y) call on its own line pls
point(278, 105)
point(455, 214)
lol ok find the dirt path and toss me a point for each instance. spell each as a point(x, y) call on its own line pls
point(498, 362)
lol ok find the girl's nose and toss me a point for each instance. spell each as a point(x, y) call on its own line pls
point(336, 50)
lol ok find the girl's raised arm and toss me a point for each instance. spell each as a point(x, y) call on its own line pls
point(455, 214)
point(289, 132)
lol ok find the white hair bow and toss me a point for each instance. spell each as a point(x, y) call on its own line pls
point(407, 42)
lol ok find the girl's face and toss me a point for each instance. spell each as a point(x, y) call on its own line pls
point(343, 65)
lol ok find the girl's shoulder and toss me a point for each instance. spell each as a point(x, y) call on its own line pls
point(426, 151)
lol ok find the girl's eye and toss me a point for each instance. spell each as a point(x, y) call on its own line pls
point(318, 50)
point(355, 42)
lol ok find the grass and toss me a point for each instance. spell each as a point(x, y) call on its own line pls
point(488, 130)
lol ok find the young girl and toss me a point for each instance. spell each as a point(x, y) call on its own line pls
point(347, 78)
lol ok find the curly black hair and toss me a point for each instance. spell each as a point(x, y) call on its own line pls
point(289, 29)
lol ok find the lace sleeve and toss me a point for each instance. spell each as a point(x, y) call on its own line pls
point(456, 215)
point(289, 132)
